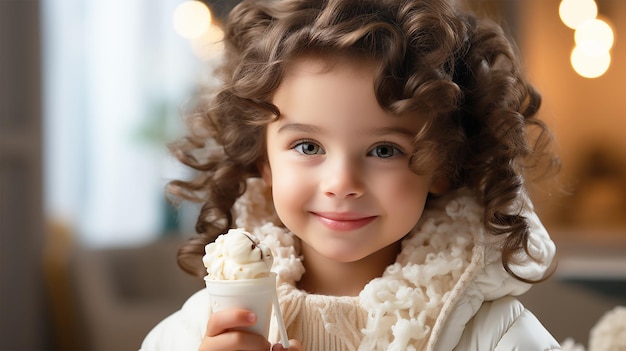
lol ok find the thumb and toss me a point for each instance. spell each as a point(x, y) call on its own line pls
point(294, 345)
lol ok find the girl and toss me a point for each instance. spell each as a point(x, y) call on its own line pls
point(379, 148)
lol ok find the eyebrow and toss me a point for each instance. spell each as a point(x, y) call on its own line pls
point(393, 130)
point(299, 127)
point(307, 128)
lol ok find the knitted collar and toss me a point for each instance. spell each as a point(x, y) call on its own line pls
point(408, 305)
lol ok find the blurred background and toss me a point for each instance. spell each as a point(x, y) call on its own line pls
point(92, 91)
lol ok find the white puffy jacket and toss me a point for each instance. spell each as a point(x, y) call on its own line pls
point(446, 291)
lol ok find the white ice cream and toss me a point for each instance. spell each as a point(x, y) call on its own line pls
point(237, 255)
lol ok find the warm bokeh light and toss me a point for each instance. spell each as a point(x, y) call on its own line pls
point(574, 12)
point(594, 36)
point(209, 45)
point(191, 19)
point(590, 66)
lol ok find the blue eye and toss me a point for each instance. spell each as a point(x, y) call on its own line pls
point(308, 148)
point(385, 151)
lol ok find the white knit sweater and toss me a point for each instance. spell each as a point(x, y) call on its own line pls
point(447, 269)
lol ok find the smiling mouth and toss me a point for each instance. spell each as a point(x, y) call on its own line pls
point(343, 222)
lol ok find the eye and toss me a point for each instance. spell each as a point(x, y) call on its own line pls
point(385, 151)
point(308, 148)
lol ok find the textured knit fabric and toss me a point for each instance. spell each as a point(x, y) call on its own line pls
point(427, 300)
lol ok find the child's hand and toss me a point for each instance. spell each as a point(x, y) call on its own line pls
point(294, 345)
point(220, 335)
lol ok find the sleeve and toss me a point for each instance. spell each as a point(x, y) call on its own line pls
point(183, 330)
point(506, 325)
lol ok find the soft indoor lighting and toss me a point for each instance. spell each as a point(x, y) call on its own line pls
point(594, 36)
point(588, 65)
point(573, 12)
point(210, 44)
point(191, 19)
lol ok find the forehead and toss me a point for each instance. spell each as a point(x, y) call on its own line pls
point(313, 82)
point(324, 62)
point(338, 91)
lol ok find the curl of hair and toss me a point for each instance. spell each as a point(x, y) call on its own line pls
point(431, 60)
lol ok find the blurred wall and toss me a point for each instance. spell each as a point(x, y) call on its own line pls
point(588, 117)
point(22, 313)
point(585, 210)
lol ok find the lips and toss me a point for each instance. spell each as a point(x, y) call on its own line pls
point(343, 221)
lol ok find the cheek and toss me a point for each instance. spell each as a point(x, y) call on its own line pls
point(406, 194)
point(288, 188)
point(405, 184)
point(290, 196)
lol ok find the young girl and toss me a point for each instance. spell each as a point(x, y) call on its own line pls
point(379, 148)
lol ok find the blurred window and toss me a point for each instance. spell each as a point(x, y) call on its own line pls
point(115, 75)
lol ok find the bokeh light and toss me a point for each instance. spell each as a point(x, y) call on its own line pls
point(191, 19)
point(209, 45)
point(594, 36)
point(574, 12)
point(590, 65)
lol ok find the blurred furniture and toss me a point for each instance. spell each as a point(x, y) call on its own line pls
point(589, 281)
point(122, 293)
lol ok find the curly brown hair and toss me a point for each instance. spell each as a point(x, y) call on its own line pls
point(431, 58)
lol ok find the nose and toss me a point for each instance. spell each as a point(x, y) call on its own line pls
point(344, 179)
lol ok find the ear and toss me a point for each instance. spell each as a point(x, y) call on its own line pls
point(266, 172)
point(439, 185)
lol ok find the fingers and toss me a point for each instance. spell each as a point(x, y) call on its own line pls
point(222, 321)
point(294, 345)
point(221, 333)
point(235, 340)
